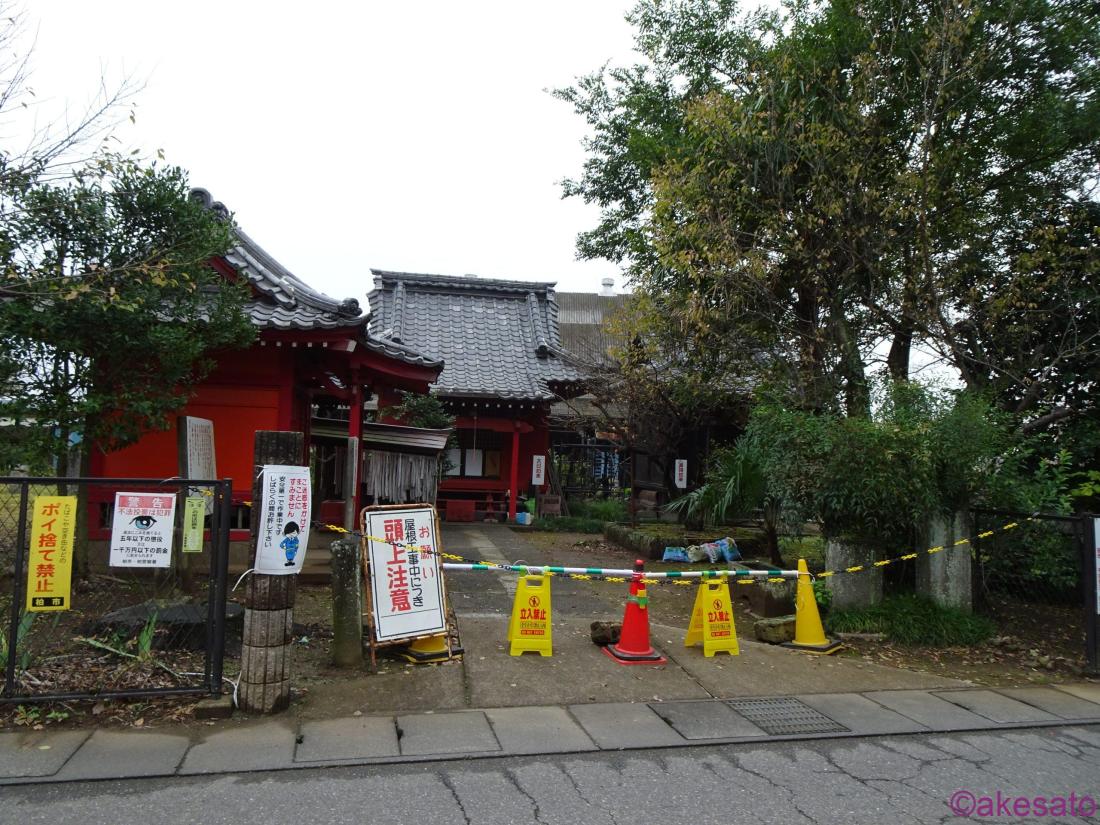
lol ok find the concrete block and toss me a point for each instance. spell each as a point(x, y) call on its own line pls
point(215, 707)
point(117, 755)
point(359, 737)
point(37, 753)
point(260, 746)
point(623, 725)
point(996, 707)
point(426, 734)
point(1058, 702)
point(928, 710)
point(538, 730)
point(775, 631)
point(861, 715)
point(705, 720)
point(945, 577)
point(853, 590)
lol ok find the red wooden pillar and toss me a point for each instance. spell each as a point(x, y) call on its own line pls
point(352, 464)
point(515, 474)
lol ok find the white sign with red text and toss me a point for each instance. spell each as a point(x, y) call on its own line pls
point(142, 529)
point(538, 470)
point(283, 534)
point(681, 473)
point(406, 578)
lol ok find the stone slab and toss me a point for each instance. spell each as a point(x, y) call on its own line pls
point(258, 746)
point(538, 730)
point(928, 710)
point(362, 737)
point(1058, 702)
point(116, 755)
point(622, 725)
point(37, 753)
point(1082, 690)
point(426, 734)
point(859, 714)
point(705, 720)
point(994, 706)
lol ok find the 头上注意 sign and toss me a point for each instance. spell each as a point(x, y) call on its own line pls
point(141, 534)
point(50, 563)
point(283, 533)
point(406, 582)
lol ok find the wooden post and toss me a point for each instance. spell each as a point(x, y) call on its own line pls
point(269, 600)
point(515, 475)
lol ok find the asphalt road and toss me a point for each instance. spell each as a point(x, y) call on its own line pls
point(898, 780)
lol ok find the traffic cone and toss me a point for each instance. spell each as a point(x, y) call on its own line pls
point(809, 635)
point(430, 649)
point(633, 647)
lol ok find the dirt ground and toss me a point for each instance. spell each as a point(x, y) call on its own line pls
point(1038, 645)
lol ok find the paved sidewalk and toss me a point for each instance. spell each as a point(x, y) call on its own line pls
point(68, 756)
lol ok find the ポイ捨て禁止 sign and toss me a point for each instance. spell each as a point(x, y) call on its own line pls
point(50, 563)
point(406, 583)
point(141, 533)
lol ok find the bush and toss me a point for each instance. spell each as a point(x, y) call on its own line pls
point(914, 620)
point(568, 524)
point(601, 509)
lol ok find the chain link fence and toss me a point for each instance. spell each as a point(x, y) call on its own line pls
point(124, 625)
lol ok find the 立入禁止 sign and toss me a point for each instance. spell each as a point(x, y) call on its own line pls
point(141, 533)
point(284, 509)
point(406, 582)
point(50, 562)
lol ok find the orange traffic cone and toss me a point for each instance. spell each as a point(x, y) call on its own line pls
point(633, 647)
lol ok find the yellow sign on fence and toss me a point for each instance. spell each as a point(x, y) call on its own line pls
point(712, 620)
point(50, 561)
point(529, 630)
point(194, 513)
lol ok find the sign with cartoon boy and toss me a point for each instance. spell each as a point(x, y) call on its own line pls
point(284, 508)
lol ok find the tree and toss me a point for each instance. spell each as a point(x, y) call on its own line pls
point(109, 310)
point(853, 176)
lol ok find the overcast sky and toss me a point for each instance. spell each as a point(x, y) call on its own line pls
point(344, 136)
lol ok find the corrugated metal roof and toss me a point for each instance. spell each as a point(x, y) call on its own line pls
point(582, 318)
point(497, 338)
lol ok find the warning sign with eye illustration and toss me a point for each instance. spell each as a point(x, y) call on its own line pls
point(141, 534)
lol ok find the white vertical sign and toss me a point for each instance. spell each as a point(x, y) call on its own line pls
point(141, 532)
point(538, 470)
point(681, 473)
point(284, 510)
point(406, 580)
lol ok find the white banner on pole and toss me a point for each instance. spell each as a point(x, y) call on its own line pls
point(142, 529)
point(681, 473)
point(538, 470)
point(406, 580)
point(284, 511)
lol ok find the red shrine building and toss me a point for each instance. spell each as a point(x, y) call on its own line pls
point(503, 366)
point(312, 353)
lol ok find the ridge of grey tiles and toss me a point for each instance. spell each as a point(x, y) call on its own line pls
point(538, 730)
point(928, 710)
point(994, 706)
point(359, 737)
point(705, 720)
point(859, 714)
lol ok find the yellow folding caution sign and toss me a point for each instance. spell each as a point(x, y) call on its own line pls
point(529, 630)
point(712, 620)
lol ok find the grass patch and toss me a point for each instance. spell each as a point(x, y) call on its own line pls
point(913, 620)
point(810, 548)
point(601, 509)
point(568, 524)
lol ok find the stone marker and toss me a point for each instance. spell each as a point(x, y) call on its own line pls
point(347, 604)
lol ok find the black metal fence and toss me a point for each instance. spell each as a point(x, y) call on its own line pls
point(1038, 581)
point(138, 616)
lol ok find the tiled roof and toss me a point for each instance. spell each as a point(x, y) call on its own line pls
point(282, 301)
point(497, 339)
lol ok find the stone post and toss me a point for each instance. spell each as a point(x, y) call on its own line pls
point(347, 604)
point(852, 590)
point(269, 600)
point(945, 577)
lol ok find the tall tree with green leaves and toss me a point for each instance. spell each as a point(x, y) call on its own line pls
point(109, 309)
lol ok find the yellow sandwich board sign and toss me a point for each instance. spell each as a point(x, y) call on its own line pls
point(529, 630)
point(50, 562)
point(712, 620)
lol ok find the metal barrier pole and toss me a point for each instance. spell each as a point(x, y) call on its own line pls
point(1088, 532)
point(17, 580)
point(219, 563)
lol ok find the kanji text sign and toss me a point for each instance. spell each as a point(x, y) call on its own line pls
point(194, 513)
point(681, 473)
point(538, 470)
point(50, 562)
point(283, 534)
point(141, 534)
point(200, 456)
point(406, 579)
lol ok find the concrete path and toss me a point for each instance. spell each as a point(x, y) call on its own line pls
point(69, 756)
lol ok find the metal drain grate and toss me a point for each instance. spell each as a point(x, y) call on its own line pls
point(783, 717)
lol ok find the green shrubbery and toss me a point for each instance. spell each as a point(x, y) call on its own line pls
point(568, 524)
point(913, 620)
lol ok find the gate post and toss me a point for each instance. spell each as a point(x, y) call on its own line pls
point(1089, 538)
point(347, 604)
point(269, 600)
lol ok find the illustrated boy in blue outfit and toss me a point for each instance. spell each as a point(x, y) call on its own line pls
point(289, 544)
